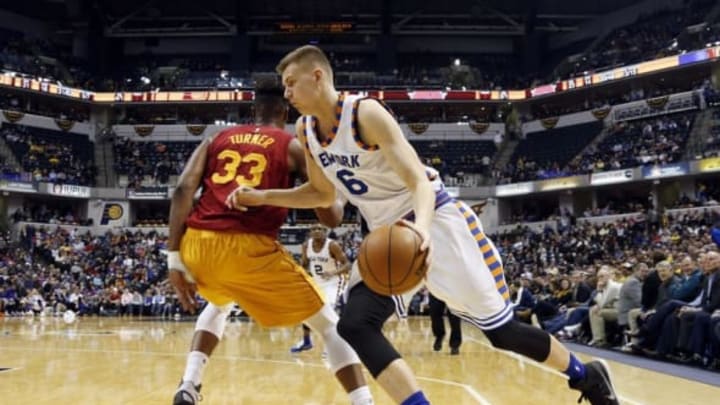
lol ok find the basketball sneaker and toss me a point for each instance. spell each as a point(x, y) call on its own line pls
point(596, 387)
point(187, 394)
point(301, 346)
point(437, 345)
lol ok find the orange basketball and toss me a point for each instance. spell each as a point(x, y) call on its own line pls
point(390, 259)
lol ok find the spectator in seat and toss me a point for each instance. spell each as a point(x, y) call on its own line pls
point(608, 293)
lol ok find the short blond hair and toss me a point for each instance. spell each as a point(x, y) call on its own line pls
point(309, 54)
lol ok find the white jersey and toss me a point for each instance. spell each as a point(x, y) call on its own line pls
point(360, 172)
point(320, 263)
point(467, 272)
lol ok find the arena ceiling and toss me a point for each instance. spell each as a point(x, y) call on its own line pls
point(140, 18)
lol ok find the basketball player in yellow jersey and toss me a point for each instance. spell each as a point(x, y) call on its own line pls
point(354, 146)
point(232, 256)
point(325, 261)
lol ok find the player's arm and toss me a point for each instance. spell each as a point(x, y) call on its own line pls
point(331, 216)
point(318, 191)
point(304, 262)
point(180, 206)
point(378, 127)
point(343, 264)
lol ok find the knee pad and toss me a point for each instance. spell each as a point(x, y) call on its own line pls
point(370, 344)
point(340, 354)
point(213, 318)
point(361, 326)
point(521, 338)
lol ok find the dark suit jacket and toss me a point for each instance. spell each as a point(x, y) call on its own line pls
point(713, 302)
point(581, 293)
point(650, 291)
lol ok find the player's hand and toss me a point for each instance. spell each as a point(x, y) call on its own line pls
point(243, 197)
point(184, 289)
point(426, 244)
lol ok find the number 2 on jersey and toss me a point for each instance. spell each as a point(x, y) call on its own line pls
point(233, 161)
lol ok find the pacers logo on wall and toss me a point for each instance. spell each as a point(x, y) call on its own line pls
point(111, 212)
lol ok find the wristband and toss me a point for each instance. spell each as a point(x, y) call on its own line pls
point(174, 262)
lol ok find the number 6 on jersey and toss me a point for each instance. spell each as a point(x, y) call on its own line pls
point(354, 186)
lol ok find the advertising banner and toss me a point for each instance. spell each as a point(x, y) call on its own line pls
point(506, 190)
point(612, 177)
point(657, 171)
point(69, 190)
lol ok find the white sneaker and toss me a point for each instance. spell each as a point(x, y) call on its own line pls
point(187, 394)
point(572, 330)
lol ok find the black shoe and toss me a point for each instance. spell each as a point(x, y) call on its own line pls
point(438, 344)
point(454, 351)
point(681, 358)
point(187, 394)
point(596, 387)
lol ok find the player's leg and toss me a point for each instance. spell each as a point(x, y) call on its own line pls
point(331, 295)
point(455, 333)
point(437, 323)
point(470, 279)
point(305, 343)
point(344, 362)
point(209, 329)
point(361, 326)
point(287, 296)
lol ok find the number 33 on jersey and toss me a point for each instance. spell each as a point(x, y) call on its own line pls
point(249, 156)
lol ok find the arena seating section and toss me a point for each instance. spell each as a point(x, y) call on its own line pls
point(544, 154)
point(52, 156)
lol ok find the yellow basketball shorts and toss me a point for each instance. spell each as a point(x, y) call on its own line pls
point(252, 270)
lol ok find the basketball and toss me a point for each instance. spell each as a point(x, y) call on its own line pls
point(69, 316)
point(390, 260)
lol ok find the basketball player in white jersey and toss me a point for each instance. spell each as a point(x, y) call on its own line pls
point(326, 262)
point(355, 146)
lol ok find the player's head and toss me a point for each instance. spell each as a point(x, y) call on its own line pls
point(318, 232)
point(269, 107)
point(306, 73)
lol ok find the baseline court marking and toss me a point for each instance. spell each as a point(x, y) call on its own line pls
point(543, 367)
point(468, 388)
point(295, 362)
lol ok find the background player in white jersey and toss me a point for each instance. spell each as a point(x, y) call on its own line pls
point(356, 147)
point(326, 262)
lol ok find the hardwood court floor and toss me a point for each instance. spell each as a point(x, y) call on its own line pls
point(127, 361)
